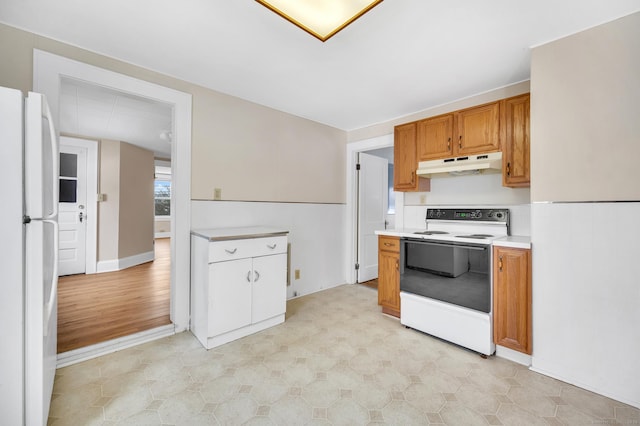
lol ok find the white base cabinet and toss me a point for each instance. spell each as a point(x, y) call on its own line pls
point(238, 287)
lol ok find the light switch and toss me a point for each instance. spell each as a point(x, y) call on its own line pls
point(217, 194)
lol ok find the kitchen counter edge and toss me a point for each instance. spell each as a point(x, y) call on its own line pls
point(239, 233)
point(514, 241)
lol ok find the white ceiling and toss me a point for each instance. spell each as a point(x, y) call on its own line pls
point(401, 57)
point(97, 112)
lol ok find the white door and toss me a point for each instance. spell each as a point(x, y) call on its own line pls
point(373, 194)
point(73, 212)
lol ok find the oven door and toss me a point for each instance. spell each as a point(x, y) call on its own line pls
point(456, 273)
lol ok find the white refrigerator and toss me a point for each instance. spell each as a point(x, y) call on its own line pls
point(28, 257)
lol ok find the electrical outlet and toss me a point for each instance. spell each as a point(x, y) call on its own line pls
point(217, 194)
point(296, 274)
point(423, 199)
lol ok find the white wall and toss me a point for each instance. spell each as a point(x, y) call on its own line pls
point(483, 191)
point(586, 296)
point(585, 106)
point(316, 235)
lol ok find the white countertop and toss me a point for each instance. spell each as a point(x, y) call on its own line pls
point(515, 241)
point(241, 233)
point(403, 232)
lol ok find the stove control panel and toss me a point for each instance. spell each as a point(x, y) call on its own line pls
point(485, 215)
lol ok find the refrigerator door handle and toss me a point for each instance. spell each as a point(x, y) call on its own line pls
point(55, 160)
point(54, 275)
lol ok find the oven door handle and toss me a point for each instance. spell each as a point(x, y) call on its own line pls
point(464, 246)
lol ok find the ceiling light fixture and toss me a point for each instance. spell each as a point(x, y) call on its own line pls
point(320, 18)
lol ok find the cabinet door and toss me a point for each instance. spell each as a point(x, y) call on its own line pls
point(515, 160)
point(512, 298)
point(389, 282)
point(478, 130)
point(405, 163)
point(229, 295)
point(269, 297)
point(435, 137)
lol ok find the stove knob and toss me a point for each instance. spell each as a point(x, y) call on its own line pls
point(478, 214)
point(499, 215)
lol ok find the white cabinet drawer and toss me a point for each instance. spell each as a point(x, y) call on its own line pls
point(221, 251)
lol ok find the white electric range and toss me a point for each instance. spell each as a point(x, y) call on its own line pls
point(446, 275)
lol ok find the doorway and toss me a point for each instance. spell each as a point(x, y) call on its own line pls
point(353, 229)
point(49, 69)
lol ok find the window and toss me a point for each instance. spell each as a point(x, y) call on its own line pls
point(162, 189)
point(162, 196)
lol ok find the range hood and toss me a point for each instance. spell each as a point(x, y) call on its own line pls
point(469, 164)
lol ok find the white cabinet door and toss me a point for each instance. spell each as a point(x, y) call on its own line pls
point(229, 295)
point(269, 287)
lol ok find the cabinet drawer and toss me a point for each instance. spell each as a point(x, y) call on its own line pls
point(221, 251)
point(387, 243)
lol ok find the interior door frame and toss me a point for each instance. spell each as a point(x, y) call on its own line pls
point(49, 69)
point(351, 235)
point(91, 239)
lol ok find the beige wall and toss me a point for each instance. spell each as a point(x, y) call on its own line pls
point(386, 128)
point(109, 209)
point(125, 222)
point(249, 151)
point(135, 228)
point(585, 115)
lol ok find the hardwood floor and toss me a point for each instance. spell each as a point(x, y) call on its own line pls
point(371, 283)
point(99, 307)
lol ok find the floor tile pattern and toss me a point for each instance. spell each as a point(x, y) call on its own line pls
point(335, 361)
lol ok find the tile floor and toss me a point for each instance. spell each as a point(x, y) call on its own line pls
point(335, 361)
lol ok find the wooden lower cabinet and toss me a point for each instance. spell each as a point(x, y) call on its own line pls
point(512, 298)
point(389, 274)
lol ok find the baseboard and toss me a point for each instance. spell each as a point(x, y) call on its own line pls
point(571, 380)
point(124, 263)
point(512, 355)
point(89, 352)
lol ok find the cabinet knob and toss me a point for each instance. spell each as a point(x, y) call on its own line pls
point(500, 263)
point(249, 276)
point(449, 143)
point(397, 266)
point(231, 251)
point(271, 246)
point(257, 276)
point(508, 169)
point(413, 177)
point(460, 142)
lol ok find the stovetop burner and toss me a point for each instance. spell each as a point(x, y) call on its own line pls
point(465, 224)
point(431, 232)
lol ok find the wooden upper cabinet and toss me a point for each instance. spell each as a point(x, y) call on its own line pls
point(405, 161)
point(516, 142)
point(512, 298)
point(477, 130)
point(435, 137)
